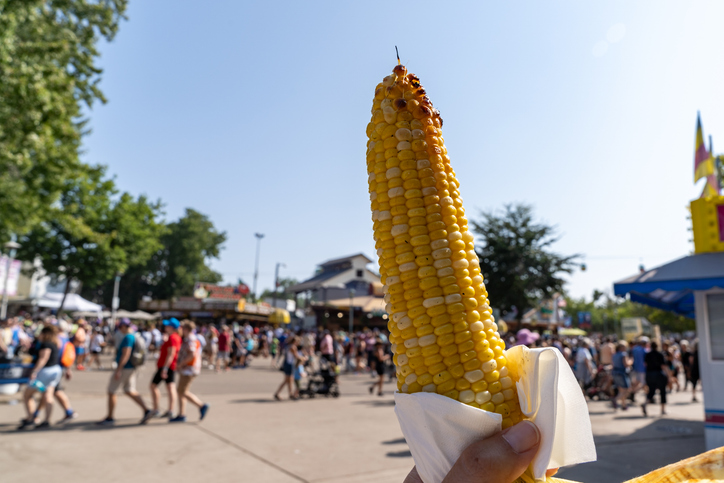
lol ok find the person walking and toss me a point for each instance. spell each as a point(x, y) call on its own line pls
point(80, 340)
point(222, 356)
point(166, 368)
point(585, 369)
point(621, 365)
point(44, 377)
point(291, 356)
point(638, 353)
point(124, 375)
point(379, 358)
point(694, 370)
point(189, 366)
point(96, 347)
point(657, 377)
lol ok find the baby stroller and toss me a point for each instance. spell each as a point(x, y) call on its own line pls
point(600, 387)
point(322, 382)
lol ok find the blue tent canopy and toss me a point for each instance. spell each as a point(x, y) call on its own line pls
point(671, 286)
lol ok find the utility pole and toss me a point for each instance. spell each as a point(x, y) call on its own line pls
point(258, 236)
point(276, 282)
point(351, 310)
point(12, 248)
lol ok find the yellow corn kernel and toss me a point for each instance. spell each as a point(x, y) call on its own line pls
point(445, 339)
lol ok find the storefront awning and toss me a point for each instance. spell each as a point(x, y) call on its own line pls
point(671, 287)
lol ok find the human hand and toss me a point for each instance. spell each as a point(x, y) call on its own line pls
point(499, 459)
point(117, 374)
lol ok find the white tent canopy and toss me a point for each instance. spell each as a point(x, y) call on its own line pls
point(73, 303)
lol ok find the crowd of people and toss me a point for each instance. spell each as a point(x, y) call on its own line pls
point(604, 366)
point(55, 347)
point(613, 369)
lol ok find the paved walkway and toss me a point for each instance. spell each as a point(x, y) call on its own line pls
point(249, 437)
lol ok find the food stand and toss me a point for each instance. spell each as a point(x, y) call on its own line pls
point(694, 286)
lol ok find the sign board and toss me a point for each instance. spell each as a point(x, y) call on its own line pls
point(225, 292)
point(584, 320)
point(13, 275)
point(707, 220)
point(633, 327)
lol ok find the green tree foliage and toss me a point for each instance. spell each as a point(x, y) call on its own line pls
point(187, 245)
point(607, 313)
point(173, 268)
point(91, 233)
point(47, 71)
point(282, 292)
point(516, 259)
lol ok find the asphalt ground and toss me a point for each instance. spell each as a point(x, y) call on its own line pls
point(247, 436)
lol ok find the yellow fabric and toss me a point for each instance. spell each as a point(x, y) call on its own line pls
point(704, 169)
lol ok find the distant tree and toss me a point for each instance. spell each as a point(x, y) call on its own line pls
point(174, 268)
point(48, 52)
point(187, 246)
point(606, 315)
point(282, 292)
point(517, 263)
point(92, 233)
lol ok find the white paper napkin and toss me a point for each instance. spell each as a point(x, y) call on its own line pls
point(438, 429)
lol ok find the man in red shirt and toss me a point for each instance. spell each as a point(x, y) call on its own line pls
point(167, 367)
point(224, 348)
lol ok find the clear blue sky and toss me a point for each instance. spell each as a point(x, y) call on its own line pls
point(254, 113)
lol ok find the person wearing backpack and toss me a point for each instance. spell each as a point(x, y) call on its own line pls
point(129, 356)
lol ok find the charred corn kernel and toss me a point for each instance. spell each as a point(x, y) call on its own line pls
point(444, 335)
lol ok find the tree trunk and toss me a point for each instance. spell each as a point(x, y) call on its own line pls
point(65, 294)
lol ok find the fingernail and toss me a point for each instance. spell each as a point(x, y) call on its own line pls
point(522, 437)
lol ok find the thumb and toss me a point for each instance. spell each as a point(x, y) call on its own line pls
point(499, 459)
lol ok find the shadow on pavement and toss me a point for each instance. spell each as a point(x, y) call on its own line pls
point(76, 426)
point(378, 403)
point(399, 454)
point(258, 400)
point(395, 441)
point(620, 458)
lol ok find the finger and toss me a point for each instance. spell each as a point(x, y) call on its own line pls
point(499, 459)
point(413, 477)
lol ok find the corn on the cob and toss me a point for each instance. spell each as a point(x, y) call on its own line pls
point(442, 330)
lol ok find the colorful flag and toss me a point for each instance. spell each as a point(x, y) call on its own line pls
point(703, 161)
point(711, 187)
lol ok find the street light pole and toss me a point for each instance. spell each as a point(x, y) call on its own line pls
point(351, 310)
point(276, 282)
point(11, 247)
point(258, 236)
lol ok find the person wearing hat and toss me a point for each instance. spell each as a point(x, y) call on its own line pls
point(166, 367)
point(124, 375)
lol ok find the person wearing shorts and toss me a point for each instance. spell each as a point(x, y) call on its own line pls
point(124, 376)
point(44, 377)
point(166, 368)
point(189, 366)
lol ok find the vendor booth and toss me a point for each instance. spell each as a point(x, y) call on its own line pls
point(694, 286)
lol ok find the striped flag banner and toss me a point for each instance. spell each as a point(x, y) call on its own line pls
point(703, 161)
